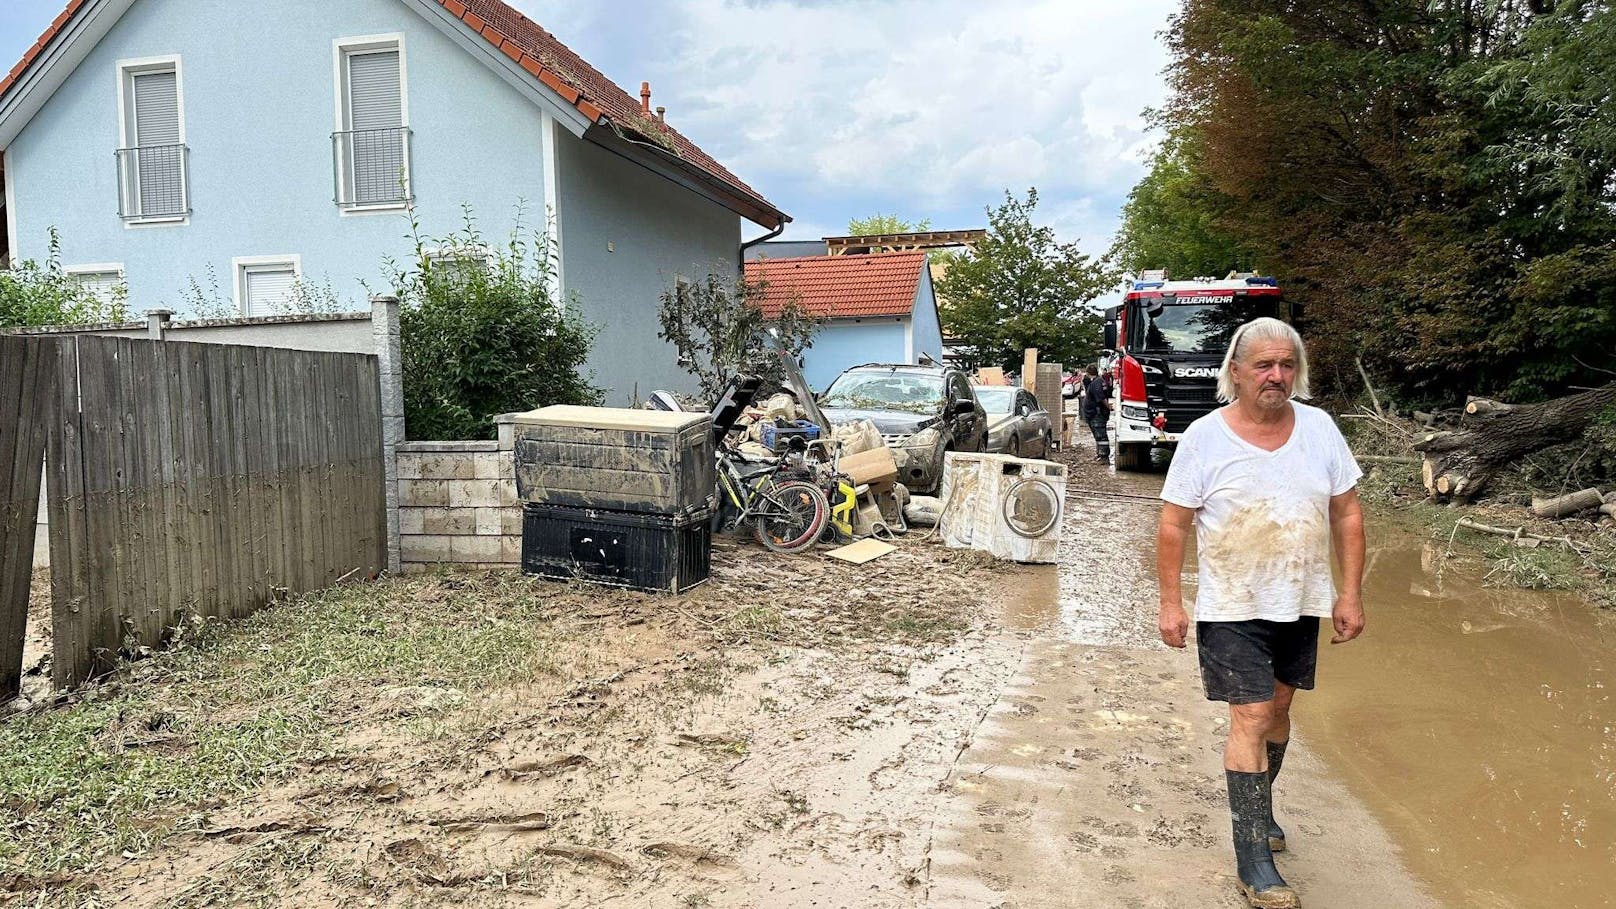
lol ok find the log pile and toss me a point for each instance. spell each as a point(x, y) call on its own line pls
point(1459, 463)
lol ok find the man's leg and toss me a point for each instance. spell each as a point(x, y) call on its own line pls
point(1102, 442)
point(1279, 736)
point(1245, 765)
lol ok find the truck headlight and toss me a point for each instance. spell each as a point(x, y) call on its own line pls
point(1132, 412)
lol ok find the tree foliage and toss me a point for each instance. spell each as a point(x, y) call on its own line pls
point(718, 327)
point(483, 334)
point(1434, 179)
point(36, 293)
point(1021, 288)
point(878, 225)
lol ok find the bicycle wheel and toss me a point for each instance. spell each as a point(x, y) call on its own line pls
point(796, 516)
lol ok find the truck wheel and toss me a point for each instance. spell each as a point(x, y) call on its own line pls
point(1132, 455)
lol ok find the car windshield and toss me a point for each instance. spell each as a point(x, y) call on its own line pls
point(996, 400)
point(886, 390)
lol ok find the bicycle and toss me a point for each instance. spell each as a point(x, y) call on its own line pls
point(787, 514)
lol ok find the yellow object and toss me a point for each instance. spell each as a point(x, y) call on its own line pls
point(841, 511)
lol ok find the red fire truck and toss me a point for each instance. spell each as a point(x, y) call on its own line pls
point(1167, 341)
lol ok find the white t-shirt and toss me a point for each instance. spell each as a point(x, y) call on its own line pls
point(1262, 518)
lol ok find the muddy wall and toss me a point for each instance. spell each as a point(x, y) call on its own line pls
point(457, 504)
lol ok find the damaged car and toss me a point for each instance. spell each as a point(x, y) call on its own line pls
point(920, 411)
point(1017, 424)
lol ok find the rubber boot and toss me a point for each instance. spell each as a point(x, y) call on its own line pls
point(1102, 451)
point(1249, 808)
point(1276, 758)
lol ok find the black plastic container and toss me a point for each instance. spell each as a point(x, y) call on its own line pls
point(658, 552)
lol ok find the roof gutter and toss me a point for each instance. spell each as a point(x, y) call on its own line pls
point(741, 254)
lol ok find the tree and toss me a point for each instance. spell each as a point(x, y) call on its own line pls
point(482, 334)
point(1020, 288)
point(718, 327)
point(878, 225)
point(1173, 217)
point(1432, 180)
point(40, 293)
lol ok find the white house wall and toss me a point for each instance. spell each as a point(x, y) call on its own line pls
point(258, 89)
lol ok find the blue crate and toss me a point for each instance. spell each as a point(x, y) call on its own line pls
point(775, 437)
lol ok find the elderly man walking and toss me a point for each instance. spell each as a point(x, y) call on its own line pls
point(1269, 485)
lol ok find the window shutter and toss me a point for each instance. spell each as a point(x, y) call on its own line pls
point(376, 115)
point(267, 290)
point(103, 284)
point(159, 159)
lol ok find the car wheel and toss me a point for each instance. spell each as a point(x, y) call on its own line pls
point(1014, 448)
point(1049, 443)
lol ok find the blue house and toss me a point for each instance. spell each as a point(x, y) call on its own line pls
point(279, 144)
point(878, 308)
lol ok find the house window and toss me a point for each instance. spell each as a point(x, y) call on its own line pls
point(371, 145)
point(105, 282)
point(267, 285)
point(458, 263)
point(153, 182)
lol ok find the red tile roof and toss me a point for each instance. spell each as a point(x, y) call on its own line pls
point(552, 63)
point(841, 287)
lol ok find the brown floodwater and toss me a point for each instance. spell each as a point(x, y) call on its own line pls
point(1478, 724)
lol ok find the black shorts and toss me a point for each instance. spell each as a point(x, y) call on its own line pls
point(1240, 661)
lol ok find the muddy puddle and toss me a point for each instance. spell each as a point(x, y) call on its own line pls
point(1478, 723)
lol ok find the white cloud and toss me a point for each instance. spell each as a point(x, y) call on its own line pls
point(930, 105)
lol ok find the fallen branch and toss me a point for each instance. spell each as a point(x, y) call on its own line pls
point(1373, 398)
point(1520, 533)
point(1386, 459)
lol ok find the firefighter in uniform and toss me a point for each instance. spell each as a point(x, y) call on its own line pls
point(1095, 409)
point(1270, 487)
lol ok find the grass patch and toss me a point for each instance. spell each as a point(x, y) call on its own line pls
point(235, 705)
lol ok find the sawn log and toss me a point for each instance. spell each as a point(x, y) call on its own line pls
point(1460, 463)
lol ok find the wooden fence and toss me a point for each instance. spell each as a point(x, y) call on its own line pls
point(200, 478)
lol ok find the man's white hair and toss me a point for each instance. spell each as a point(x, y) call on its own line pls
point(1263, 329)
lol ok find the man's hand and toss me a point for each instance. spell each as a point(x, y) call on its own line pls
point(1174, 624)
point(1348, 618)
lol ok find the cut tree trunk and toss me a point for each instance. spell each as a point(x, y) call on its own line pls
point(1460, 463)
point(1569, 504)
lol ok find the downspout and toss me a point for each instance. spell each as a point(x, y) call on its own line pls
point(741, 263)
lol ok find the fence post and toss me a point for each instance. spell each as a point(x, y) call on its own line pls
point(157, 323)
point(390, 368)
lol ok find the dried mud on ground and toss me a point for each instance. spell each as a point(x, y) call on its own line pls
point(777, 732)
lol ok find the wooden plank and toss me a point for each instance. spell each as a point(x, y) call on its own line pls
point(73, 574)
point(26, 376)
point(250, 431)
point(147, 607)
point(106, 547)
point(1029, 369)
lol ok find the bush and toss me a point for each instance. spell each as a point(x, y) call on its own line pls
point(40, 293)
point(482, 333)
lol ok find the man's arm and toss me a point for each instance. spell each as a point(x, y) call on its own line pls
point(1347, 533)
point(1171, 532)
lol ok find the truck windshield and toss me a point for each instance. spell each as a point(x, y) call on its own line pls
point(1195, 327)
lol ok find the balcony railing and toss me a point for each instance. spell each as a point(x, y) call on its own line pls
point(154, 182)
point(371, 167)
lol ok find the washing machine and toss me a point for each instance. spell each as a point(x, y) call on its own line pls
point(1009, 507)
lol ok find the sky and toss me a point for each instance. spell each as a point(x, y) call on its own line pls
point(833, 109)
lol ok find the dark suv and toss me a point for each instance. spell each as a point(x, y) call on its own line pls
point(921, 412)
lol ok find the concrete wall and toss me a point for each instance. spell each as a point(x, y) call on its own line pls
point(626, 233)
point(458, 506)
point(928, 331)
point(849, 342)
point(349, 332)
point(258, 88)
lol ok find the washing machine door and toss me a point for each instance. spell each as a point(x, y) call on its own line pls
point(1032, 507)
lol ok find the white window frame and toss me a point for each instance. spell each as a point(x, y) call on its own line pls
point(11, 207)
point(98, 268)
point(238, 270)
point(126, 71)
point(340, 49)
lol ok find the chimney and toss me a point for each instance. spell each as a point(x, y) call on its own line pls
point(661, 114)
point(645, 98)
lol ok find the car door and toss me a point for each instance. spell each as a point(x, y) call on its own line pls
point(970, 429)
point(1035, 421)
